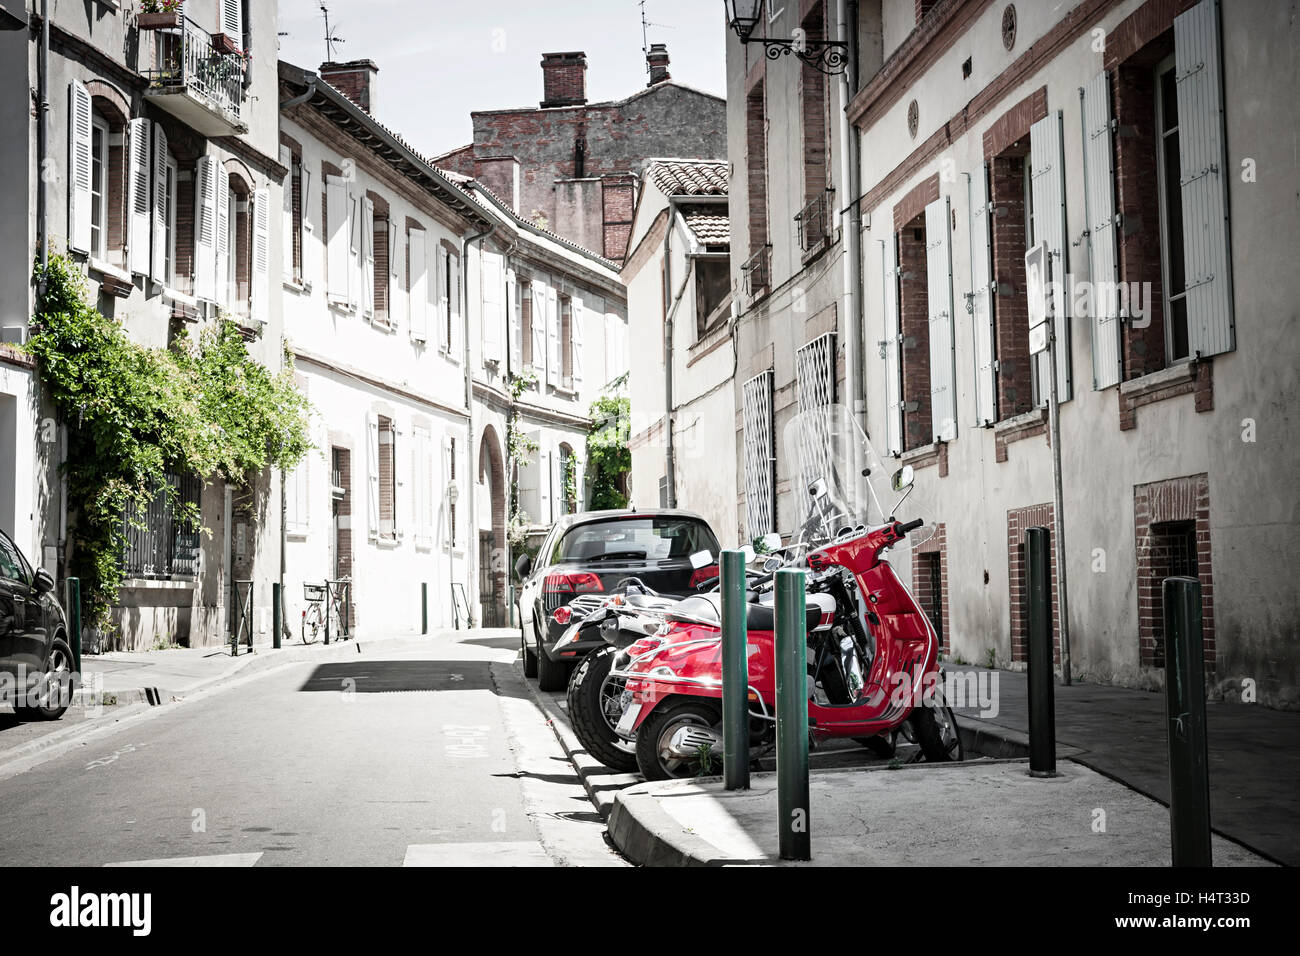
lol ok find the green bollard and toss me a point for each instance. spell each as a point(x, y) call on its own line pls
point(792, 715)
point(1042, 682)
point(735, 672)
point(424, 607)
point(277, 615)
point(1189, 772)
point(74, 623)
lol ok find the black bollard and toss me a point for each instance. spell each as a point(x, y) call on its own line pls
point(1042, 682)
point(1189, 772)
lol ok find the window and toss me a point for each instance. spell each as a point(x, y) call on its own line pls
point(160, 541)
point(1168, 174)
point(760, 455)
point(11, 564)
point(99, 164)
point(168, 220)
point(451, 506)
point(649, 539)
point(812, 101)
point(756, 159)
point(712, 287)
point(566, 341)
point(1011, 228)
point(378, 263)
point(387, 478)
point(914, 324)
point(526, 322)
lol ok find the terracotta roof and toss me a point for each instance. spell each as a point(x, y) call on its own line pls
point(688, 177)
point(709, 228)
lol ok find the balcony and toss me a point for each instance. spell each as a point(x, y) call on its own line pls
point(194, 80)
point(757, 272)
point(814, 222)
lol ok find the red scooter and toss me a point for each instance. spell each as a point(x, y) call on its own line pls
point(873, 656)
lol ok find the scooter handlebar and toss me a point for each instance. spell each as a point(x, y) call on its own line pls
point(905, 527)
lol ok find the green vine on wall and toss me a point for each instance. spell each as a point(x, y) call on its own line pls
point(136, 414)
point(519, 450)
point(608, 457)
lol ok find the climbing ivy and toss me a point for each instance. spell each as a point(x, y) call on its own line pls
point(608, 457)
point(134, 414)
point(520, 450)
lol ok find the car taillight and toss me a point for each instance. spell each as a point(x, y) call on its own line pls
point(562, 615)
point(704, 574)
point(574, 582)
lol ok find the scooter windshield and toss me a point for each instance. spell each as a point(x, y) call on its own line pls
point(838, 481)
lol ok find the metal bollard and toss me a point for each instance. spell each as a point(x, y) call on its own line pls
point(424, 607)
point(735, 672)
point(74, 622)
point(1189, 772)
point(347, 611)
point(1042, 682)
point(329, 605)
point(792, 715)
point(277, 614)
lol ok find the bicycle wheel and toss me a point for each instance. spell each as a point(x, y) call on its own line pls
point(311, 624)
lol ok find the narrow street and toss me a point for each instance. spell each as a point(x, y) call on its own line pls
point(428, 753)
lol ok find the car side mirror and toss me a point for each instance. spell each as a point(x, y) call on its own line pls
point(43, 581)
point(523, 566)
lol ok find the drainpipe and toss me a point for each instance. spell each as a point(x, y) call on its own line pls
point(298, 100)
point(471, 473)
point(851, 174)
point(670, 462)
point(43, 140)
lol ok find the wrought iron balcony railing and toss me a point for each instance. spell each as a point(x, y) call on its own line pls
point(757, 272)
point(187, 60)
point(814, 220)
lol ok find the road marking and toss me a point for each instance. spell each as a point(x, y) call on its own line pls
point(466, 740)
point(105, 761)
point(501, 853)
point(218, 859)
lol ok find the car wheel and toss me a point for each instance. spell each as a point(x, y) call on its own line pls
point(54, 689)
point(551, 675)
point(529, 655)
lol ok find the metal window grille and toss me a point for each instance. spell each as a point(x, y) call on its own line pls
point(815, 384)
point(159, 543)
point(760, 460)
point(758, 272)
point(814, 220)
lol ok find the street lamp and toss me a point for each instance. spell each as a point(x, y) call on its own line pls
point(829, 56)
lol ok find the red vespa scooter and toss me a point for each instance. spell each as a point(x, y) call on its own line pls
point(873, 656)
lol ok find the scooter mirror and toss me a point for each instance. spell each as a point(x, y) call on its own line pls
point(770, 542)
point(902, 478)
point(773, 564)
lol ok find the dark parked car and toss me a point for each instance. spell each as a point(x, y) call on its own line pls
point(35, 659)
point(591, 553)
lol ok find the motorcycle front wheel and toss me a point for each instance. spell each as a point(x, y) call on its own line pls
point(654, 736)
point(594, 710)
point(935, 728)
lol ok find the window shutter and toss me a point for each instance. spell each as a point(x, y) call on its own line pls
point(338, 264)
point(1047, 193)
point(938, 270)
point(161, 214)
point(981, 301)
point(261, 292)
point(539, 329)
point(448, 469)
point(441, 283)
point(221, 181)
point(356, 271)
point(400, 459)
point(419, 291)
point(552, 337)
point(232, 20)
point(529, 483)
point(456, 331)
point(889, 349)
point(516, 323)
point(372, 474)
point(1210, 328)
point(205, 228)
point(1099, 213)
point(490, 273)
point(580, 485)
point(576, 320)
point(394, 273)
point(553, 485)
point(286, 196)
point(310, 261)
point(138, 204)
point(368, 255)
point(80, 164)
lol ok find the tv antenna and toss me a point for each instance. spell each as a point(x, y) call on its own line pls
point(330, 39)
point(645, 25)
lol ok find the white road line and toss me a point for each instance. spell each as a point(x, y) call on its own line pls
point(217, 859)
point(500, 853)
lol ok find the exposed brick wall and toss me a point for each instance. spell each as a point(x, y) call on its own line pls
point(1031, 429)
point(812, 98)
point(1011, 309)
point(241, 255)
point(1141, 27)
point(913, 204)
point(923, 7)
point(564, 79)
point(1201, 385)
point(1018, 520)
point(1156, 506)
point(618, 204)
point(914, 322)
point(756, 163)
point(116, 175)
point(933, 602)
point(183, 269)
point(1014, 124)
point(657, 61)
point(355, 80)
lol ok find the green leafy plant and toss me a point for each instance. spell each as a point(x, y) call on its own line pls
point(136, 415)
point(519, 450)
point(161, 6)
point(570, 481)
point(608, 457)
point(991, 658)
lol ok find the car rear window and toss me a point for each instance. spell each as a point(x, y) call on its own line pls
point(653, 539)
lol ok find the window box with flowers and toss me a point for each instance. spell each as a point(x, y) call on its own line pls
point(159, 15)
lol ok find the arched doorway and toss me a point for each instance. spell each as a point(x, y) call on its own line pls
point(493, 556)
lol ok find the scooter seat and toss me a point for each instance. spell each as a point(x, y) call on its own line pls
point(758, 617)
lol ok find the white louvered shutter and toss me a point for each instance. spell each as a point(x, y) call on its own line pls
point(80, 165)
point(286, 196)
point(1099, 208)
point(442, 283)
point(232, 20)
point(889, 349)
point(311, 236)
point(395, 255)
point(528, 482)
point(1048, 197)
point(538, 330)
point(1204, 173)
point(260, 294)
point(938, 270)
point(981, 301)
point(490, 275)
point(160, 212)
point(553, 485)
point(419, 285)
point(455, 305)
point(338, 243)
point(552, 337)
point(515, 306)
point(372, 474)
point(367, 255)
point(221, 180)
point(138, 196)
point(578, 316)
point(355, 251)
point(452, 533)
point(205, 228)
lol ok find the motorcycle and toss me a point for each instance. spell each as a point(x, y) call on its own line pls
point(873, 656)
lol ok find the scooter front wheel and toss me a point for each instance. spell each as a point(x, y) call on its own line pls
point(666, 748)
point(935, 728)
point(593, 710)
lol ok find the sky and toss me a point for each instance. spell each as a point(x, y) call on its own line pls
point(438, 59)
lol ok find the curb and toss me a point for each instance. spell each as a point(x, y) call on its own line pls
point(645, 834)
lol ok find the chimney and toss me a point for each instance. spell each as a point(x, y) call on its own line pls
point(657, 61)
point(564, 79)
point(354, 79)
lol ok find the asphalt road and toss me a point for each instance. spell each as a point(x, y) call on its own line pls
point(415, 753)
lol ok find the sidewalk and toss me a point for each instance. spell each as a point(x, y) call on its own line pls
point(1112, 759)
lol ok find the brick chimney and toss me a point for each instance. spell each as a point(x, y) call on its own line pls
point(354, 79)
point(657, 60)
point(564, 79)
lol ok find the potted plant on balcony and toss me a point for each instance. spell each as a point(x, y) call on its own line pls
point(159, 15)
point(225, 43)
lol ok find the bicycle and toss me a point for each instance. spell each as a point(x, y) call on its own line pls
point(313, 616)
